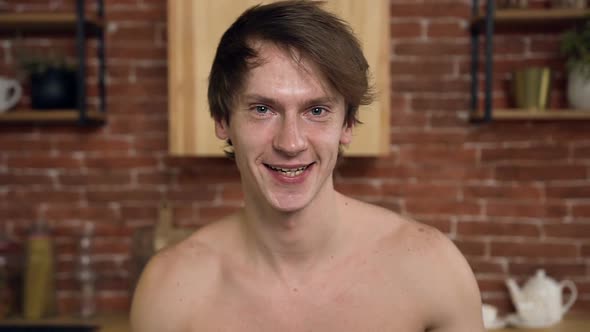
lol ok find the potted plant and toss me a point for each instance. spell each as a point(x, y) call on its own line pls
point(52, 81)
point(575, 46)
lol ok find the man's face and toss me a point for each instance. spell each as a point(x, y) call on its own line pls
point(286, 128)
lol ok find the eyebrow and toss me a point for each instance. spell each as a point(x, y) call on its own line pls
point(271, 101)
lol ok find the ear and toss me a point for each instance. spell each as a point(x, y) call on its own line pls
point(346, 134)
point(222, 129)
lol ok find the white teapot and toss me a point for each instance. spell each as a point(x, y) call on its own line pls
point(10, 93)
point(539, 303)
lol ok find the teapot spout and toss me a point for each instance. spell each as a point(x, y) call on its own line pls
point(515, 293)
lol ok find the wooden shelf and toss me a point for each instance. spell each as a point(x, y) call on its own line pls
point(534, 115)
point(49, 117)
point(544, 16)
point(45, 21)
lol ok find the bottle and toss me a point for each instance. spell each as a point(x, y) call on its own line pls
point(39, 285)
point(86, 274)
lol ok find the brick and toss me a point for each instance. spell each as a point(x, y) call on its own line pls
point(113, 302)
point(123, 105)
point(431, 137)
point(433, 49)
point(426, 84)
point(131, 33)
point(581, 152)
point(521, 192)
point(446, 29)
point(412, 9)
point(19, 145)
point(122, 195)
point(526, 209)
point(505, 45)
point(143, 211)
point(16, 211)
point(151, 72)
point(578, 190)
point(586, 250)
point(437, 155)
point(137, 52)
point(439, 103)
point(132, 124)
point(421, 190)
point(202, 194)
point(401, 30)
point(407, 119)
point(425, 69)
point(541, 172)
point(581, 210)
point(537, 153)
point(93, 144)
point(121, 162)
point(572, 230)
point(471, 248)
point(497, 229)
point(105, 246)
point(40, 161)
point(113, 283)
point(69, 212)
point(448, 122)
point(105, 178)
point(534, 249)
point(486, 266)
point(547, 44)
point(492, 285)
point(11, 179)
point(507, 132)
point(556, 271)
point(155, 142)
point(33, 196)
point(442, 206)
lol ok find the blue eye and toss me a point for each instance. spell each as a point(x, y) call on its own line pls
point(261, 109)
point(317, 111)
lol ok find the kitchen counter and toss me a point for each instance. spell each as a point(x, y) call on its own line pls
point(572, 323)
point(106, 323)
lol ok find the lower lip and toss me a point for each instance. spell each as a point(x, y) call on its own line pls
point(291, 180)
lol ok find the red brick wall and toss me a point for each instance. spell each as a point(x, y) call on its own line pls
point(513, 196)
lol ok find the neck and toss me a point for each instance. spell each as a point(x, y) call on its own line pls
point(292, 244)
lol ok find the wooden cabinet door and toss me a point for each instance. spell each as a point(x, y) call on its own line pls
point(194, 30)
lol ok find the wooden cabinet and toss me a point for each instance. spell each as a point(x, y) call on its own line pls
point(194, 30)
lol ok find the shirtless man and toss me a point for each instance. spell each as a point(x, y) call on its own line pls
point(284, 90)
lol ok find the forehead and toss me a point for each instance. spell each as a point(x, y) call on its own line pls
point(277, 66)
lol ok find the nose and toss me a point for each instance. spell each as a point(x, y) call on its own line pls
point(290, 139)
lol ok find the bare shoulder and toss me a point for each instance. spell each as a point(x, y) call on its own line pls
point(425, 263)
point(167, 293)
point(442, 279)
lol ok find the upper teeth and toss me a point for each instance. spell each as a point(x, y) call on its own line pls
point(289, 172)
point(288, 169)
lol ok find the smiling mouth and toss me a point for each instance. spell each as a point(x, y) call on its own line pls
point(288, 172)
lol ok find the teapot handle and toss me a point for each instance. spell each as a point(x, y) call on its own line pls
point(574, 294)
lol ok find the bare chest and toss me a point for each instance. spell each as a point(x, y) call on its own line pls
point(363, 302)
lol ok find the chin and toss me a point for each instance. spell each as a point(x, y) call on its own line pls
point(288, 203)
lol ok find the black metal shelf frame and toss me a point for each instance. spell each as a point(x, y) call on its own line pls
point(80, 44)
point(489, 66)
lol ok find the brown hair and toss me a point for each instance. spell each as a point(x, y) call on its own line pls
point(297, 26)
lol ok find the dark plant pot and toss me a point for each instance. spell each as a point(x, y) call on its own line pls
point(54, 89)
